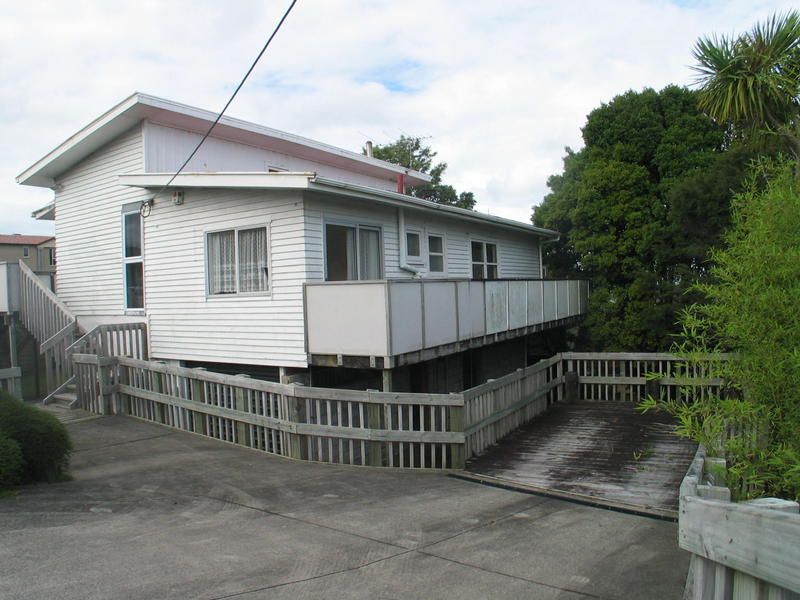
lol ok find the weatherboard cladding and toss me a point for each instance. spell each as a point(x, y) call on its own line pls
point(167, 147)
point(518, 252)
point(249, 329)
point(88, 201)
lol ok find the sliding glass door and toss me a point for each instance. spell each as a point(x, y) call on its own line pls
point(352, 252)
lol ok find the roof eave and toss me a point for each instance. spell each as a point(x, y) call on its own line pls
point(138, 106)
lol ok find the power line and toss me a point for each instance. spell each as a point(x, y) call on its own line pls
point(227, 104)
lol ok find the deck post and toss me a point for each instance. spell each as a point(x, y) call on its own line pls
point(387, 380)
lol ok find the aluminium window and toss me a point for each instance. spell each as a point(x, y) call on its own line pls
point(436, 254)
point(353, 252)
point(237, 261)
point(413, 246)
point(133, 260)
point(484, 260)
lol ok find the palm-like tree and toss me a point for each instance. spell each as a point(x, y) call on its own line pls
point(753, 80)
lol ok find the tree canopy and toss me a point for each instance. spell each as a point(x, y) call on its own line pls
point(638, 209)
point(413, 153)
point(751, 82)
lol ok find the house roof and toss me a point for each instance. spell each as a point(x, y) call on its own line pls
point(18, 239)
point(322, 185)
point(138, 107)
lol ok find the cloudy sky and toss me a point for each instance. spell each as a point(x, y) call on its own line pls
point(498, 88)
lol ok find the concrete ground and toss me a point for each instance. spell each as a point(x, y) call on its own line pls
point(155, 513)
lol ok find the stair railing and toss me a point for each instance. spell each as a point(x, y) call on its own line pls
point(51, 323)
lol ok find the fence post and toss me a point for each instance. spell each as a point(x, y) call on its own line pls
point(239, 404)
point(158, 388)
point(572, 387)
point(295, 414)
point(375, 420)
point(104, 386)
point(652, 387)
point(456, 414)
point(123, 401)
point(198, 418)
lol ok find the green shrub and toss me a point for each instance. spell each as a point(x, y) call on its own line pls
point(10, 463)
point(751, 312)
point(42, 439)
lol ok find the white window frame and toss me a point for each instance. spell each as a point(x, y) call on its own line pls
point(428, 235)
point(485, 262)
point(26, 252)
point(236, 230)
point(357, 225)
point(126, 260)
point(51, 256)
point(418, 259)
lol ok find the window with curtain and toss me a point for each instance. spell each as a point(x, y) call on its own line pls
point(133, 260)
point(352, 252)
point(237, 261)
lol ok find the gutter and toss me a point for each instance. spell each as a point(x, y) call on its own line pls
point(393, 198)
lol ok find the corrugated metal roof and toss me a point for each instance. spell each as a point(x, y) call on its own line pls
point(19, 239)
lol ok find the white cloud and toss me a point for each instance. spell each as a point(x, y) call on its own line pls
point(500, 88)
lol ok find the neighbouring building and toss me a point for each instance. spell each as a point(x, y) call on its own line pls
point(37, 251)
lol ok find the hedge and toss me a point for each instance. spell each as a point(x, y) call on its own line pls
point(42, 439)
point(10, 463)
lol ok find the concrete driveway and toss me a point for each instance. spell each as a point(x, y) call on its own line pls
point(155, 513)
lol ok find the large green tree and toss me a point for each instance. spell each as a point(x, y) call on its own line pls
point(638, 209)
point(751, 82)
point(413, 153)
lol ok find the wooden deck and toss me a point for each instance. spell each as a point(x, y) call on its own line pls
point(602, 452)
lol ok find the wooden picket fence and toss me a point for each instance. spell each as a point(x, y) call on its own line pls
point(738, 550)
point(354, 427)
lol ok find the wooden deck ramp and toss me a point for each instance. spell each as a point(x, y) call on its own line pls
point(602, 453)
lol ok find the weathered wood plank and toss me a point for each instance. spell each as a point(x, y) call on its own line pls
point(759, 542)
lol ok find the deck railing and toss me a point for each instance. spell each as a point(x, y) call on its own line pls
point(738, 550)
point(342, 426)
point(51, 323)
point(392, 318)
point(631, 377)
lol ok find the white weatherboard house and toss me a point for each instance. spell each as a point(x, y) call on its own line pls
point(279, 256)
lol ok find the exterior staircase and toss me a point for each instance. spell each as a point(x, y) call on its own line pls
point(67, 397)
point(54, 327)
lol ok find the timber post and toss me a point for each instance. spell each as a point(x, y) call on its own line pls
point(375, 420)
point(199, 419)
point(572, 388)
point(242, 433)
point(456, 418)
point(652, 387)
point(295, 412)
